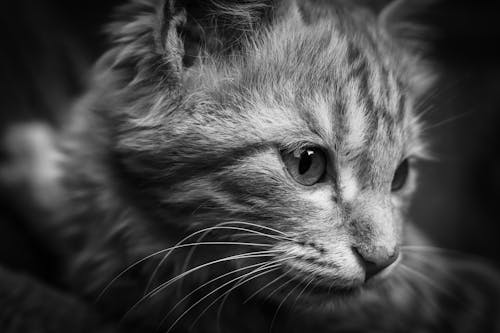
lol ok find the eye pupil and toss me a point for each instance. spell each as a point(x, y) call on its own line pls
point(306, 159)
point(400, 176)
point(306, 166)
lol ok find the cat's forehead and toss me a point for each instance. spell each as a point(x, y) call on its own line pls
point(319, 83)
point(329, 81)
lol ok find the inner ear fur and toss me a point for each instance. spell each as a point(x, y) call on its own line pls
point(219, 26)
point(165, 37)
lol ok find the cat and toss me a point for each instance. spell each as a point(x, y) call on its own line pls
point(247, 166)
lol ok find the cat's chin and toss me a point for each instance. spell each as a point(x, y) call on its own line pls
point(321, 300)
point(325, 294)
point(311, 292)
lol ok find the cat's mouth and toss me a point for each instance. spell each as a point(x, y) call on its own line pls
point(308, 283)
point(308, 292)
point(321, 286)
point(322, 279)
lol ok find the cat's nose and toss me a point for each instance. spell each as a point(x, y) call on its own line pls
point(376, 260)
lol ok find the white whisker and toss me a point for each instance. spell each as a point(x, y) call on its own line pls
point(303, 289)
point(216, 290)
point(267, 285)
point(261, 226)
point(273, 266)
point(431, 249)
point(282, 302)
point(210, 282)
point(427, 279)
point(204, 232)
point(152, 293)
point(138, 262)
point(223, 227)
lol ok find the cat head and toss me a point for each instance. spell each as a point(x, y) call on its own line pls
point(285, 125)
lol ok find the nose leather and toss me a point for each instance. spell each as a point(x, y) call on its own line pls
point(376, 260)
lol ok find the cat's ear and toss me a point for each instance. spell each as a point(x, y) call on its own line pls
point(160, 39)
point(402, 23)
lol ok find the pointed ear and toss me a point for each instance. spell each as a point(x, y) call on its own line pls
point(402, 20)
point(159, 39)
point(402, 24)
point(146, 42)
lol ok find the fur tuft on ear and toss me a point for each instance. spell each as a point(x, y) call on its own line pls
point(147, 44)
point(155, 40)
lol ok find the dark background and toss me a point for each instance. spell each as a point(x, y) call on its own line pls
point(458, 201)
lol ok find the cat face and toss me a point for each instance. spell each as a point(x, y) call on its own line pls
point(294, 148)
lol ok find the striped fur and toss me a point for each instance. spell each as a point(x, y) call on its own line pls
point(181, 130)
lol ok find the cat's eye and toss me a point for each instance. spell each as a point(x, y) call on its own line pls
point(306, 165)
point(400, 176)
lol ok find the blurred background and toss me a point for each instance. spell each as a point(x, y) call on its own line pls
point(458, 202)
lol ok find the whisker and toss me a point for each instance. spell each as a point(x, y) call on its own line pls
point(248, 232)
point(424, 109)
point(259, 226)
point(224, 225)
point(408, 278)
point(152, 293)
point(265, 286)
point(211, 281)
point(426, 103)
point(461, 300)
point(283, 285)
point(221, 306)
point(214, 291)
point(441, 93)
point(275, 237)
point(432, 249)
point(427, 279)
point(281, 303)
point(446, 121)
point(204, 232)
point(303, 289)
point(260, 265)
point(138, 262)
point(257, 254)
point(243, 234)
point(242, 281)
